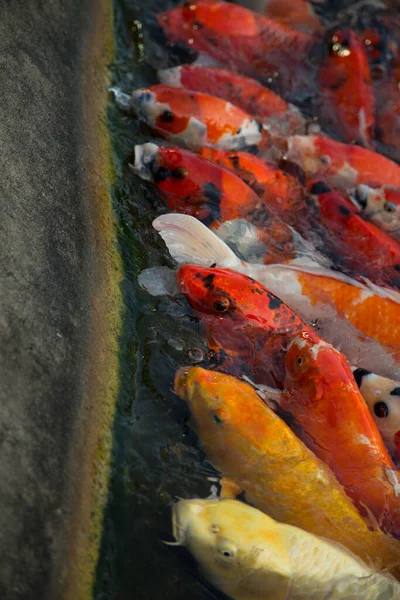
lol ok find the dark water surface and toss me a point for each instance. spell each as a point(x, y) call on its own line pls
point(155, 457)
point(155, 454)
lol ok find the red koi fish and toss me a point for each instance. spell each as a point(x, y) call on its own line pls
point(361, 246)
point(248, 94)
point(347, 100)
point(243, 321)
point(342, 165)
point(194, 119)
point(321, 394)
point(279, 189)
point(381, 206)
point(193, 185)
point(241, 40)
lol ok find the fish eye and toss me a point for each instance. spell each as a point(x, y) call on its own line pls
point(179, 173)
point(227, 549)
point(381, 410)
point(389, 207)
point(221, 304)
point(299, 361)
point(216, 418)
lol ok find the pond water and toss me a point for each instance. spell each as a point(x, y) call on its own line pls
point(155, 456)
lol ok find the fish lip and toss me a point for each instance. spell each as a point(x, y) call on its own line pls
point(181, 381)
point(144, 160)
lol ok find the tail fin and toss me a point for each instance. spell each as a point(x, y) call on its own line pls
point(189, 241)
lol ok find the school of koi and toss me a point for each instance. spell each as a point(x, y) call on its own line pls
point(284, 219)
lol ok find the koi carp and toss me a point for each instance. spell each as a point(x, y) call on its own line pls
point(320, 392)
point(194, 119)
point(280, 190)
point(381, 206)
point(193, 185)
point(361, 246)
point(347, 100)
point(382, 396)
point(344, 166)
point(362, 320)
point(278, 117)
point(241, 40)
point(258, 453)
point(244, 323)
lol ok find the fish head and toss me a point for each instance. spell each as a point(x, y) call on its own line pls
point(241, 316)
point(226, 414)
point(236, 546)
point(165, 109)
point(305, 365)
point(226, 294)
point(380, 205)
point(382, 396)
point(188, 183)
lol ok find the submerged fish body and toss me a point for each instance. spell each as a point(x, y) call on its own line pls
point(383, 398)
point(298, 15)
point(363, 322)
point(381, 206)
point(347, 100)
point(241, 40)
point(344, 166)
point(322, 395)
point(361, 246)
point(244, 322)
point(194, 119)
point(249, 556)
point(246, 93)
point(193, 185)
point(278, 189)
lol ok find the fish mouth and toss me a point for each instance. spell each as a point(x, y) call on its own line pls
point(181, 382)
point(145, 161)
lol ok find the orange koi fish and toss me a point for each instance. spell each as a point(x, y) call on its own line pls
point(258, 453)
point(194, 119)
point(347, 100)
point(279, 117)
point(363, 321)
point(382, 396)
point(244, 322)
point(279, 189)
point(380, 205)
point(193, 185)
point(361, 246)
point(241, 40)
point(321, 394)
point(344, 166)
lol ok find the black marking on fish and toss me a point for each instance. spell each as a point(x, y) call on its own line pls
point(198, 25)
point(208, 281)
point(162, 174)
point(213, 196)
point(235, 161)
point(344, 210)
point(320, 187)
point(395, 391)
point(396, 267)
point(293, 169)
point(359, 374)
point(274, 302)
point(217, 419)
